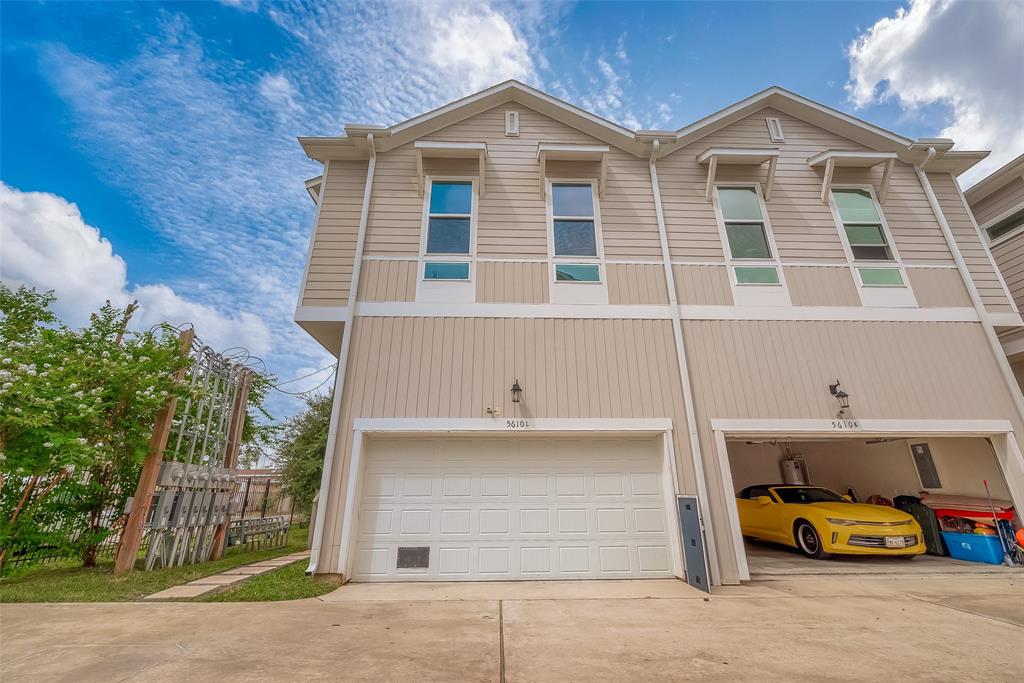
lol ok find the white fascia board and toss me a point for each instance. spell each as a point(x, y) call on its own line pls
point(498, 425)
point(554, 151)
point(734, 155)
point(843, 158)
point(450, 150)
point(868, 427)
point(321, 314)
point(995, 180)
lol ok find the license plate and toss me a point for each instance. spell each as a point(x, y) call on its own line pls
point(895, 542)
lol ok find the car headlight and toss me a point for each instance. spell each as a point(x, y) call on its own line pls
point(842, 522)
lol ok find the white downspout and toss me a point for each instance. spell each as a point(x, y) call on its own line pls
point(339, 376)
point(684, 371)
point(979, 305)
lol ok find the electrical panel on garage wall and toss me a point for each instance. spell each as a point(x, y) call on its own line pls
point(925, 466)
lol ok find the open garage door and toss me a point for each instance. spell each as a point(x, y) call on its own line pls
point(496, 508)
point(915, 485)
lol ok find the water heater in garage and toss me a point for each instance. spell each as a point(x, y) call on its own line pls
point(794, 471)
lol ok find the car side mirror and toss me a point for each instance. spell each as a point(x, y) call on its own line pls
point(764, 500)
point(849, 499)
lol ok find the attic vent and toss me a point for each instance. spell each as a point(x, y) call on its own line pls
point(775, 130)
point(512, 124)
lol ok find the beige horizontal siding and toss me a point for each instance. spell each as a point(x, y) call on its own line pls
point(636, 283)
point(974, 252)
point(702, 285)
point(1009, 256)
point(388, 281)
point(457, 367)
point(1003, 200)
point(334, 239)
point(396, 207)
point(938, 287)
point(511, 282)
point(782, 369)
point(821, 286)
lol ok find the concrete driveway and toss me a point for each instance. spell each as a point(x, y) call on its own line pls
point(827, 629)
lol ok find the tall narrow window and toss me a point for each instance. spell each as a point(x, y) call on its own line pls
point(448, 230)
point(863, 227)
point(573, 232)
point(745, 232)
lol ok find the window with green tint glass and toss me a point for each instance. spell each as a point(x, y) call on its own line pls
point(577, 272)
point(744, 224)
point(757, 275)
point(434, 270)
point(881, 277)
point(448, 222)
point(862, 225)
point(1007, 225)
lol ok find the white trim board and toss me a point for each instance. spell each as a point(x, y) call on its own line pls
point(496, 424)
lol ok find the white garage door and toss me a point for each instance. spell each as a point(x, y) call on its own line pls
point(525, 508)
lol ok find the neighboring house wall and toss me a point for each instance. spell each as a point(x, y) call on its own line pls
point(1008, 250)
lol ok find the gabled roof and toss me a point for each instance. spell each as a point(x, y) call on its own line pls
point(995, 181)
point(353, 145)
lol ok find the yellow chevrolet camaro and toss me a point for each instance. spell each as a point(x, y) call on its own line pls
point(819, 522)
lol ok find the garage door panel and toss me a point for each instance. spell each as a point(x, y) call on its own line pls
point(504, 510)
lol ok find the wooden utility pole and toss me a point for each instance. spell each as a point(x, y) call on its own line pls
point(238, 415)
point(134, 528)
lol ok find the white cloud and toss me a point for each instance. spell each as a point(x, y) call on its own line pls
point(961, 54)
point(279, 92)
point(479, 47)
point(48, 245)
point(620, 49)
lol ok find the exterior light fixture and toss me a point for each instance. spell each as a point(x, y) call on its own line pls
point(842, 397)
point(517, 392)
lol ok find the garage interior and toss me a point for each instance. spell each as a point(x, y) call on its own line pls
point(874, 470)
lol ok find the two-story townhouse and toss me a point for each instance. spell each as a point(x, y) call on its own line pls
point(997, 206)
point(563, 346)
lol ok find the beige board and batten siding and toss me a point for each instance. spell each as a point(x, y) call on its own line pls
point(782, 369)
point(1000, 202)
point(457, 367)
point(702, 285)
point(975, 254)
point(636, 283)
point(387, 280)
point(512, 282)
point(821, 286)
point(334, 237)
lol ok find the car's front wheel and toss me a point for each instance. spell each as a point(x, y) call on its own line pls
point(808, 541)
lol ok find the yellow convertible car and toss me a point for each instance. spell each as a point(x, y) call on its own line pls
point(819, 522)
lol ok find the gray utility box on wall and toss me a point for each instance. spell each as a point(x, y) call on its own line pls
point(693, 543)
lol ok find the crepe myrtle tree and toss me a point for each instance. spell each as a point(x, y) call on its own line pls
point(76, 413)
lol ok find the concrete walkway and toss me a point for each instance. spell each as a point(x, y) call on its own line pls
point(224, 580)
point(869, 629)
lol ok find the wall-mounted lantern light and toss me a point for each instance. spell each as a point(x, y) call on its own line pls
point(842, 397)
point(517, 392)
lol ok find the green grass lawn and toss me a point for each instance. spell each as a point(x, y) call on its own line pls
point(66, 582)
point(287, 583)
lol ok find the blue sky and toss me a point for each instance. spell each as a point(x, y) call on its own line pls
point(171, 127)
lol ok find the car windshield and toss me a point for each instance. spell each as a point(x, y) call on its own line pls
point(808, 495)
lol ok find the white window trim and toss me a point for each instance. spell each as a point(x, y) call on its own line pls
point(1002, 238)
point(902, 296)
point(748, 292)
point(554, 259)
point(448, 290)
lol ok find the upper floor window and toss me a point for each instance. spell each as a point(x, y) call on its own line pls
point(863, 225)
point(574, 231)
point(747, 235)
point(1006, 225)
point(449, 226)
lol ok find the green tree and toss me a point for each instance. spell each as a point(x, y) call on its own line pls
point(76, 412)
point(300, 451)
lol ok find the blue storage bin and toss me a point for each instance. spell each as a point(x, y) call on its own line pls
point(974, 547)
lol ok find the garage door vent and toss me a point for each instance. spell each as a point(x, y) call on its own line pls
point(414, 558)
